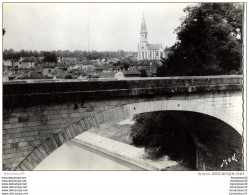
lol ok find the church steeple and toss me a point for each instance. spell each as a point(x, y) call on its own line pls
point(143, 33)
point(143, 27)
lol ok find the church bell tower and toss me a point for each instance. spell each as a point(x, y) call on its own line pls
point(143, 33)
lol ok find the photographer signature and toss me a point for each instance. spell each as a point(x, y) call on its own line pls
point(226, 161)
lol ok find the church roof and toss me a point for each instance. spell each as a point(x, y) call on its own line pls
point(143, 26)
point(154, 46)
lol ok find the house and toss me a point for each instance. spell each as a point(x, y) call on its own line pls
point(95, 62)
point(107, 75)
point(47, 68)
point(67, 61)
point(30, 75)
point(27, 62)
point(90, 70)
point(75, 67)
point(87, 66)
point(112, 60)
point(104, 61)
point(81, 66)
point(12, 63)
point(99, 69)
point(62, 66)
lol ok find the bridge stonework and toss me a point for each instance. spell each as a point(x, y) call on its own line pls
point(40, 117)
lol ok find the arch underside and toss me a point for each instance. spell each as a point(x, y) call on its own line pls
point(228, 110)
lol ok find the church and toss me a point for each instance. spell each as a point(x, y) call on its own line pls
point(147, 51)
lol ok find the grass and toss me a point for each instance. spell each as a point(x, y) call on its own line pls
point(116, 132)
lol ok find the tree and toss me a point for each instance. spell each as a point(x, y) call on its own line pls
point(209, 41)
point(50, 57)
point(143, 73)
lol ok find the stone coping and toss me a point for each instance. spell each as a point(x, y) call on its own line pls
point(115, 79)
point(25, 94)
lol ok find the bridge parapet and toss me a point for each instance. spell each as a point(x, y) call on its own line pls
point(33, 92)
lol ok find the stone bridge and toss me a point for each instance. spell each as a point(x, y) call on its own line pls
point(40, 116)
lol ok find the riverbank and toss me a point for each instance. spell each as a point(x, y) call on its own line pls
point(114, 140)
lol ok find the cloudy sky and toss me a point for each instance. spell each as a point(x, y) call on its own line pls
point(88, 26)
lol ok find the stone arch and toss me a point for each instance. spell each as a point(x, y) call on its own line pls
point(123, 112)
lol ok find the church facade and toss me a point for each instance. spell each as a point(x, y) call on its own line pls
point(147, 51)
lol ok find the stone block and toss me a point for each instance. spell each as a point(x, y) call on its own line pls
point(10, 166)
point(101, 117)
point(13, 120)
point(46, 148)
point(95, 123)
point(28, 164)
point(18, 149)
point(83, 125)
point(77, 127)
point(104, 116)
point(57, 139)
point(39, 154)
point(35, 158)
point(87, 125)
point(23, 167)
point(62, 136)
point(42, 151)
point(71, 129)
point(112, 114)
point(89, 122)
point(97, 119)
point(68, 133)
point(31, 161)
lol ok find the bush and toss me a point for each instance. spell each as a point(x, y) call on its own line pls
point(162, 134)
point(68, 76)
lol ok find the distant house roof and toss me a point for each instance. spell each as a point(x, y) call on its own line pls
point(47, 65)
point(154, 46)
point(114, 60)
point(27, 59)
point(132, 73)
point(99, 68)
point(31, 75)
point(107, 75)
point(80, 63)
point(95, 62)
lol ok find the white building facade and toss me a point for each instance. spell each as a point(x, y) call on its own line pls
point(148, 51)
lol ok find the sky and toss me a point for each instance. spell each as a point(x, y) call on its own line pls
point(88, 26)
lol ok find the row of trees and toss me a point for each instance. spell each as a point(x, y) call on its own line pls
point(209, 41)
point(89, 55)
point(11, 54)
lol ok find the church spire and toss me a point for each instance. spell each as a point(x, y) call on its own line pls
point(143, 26)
